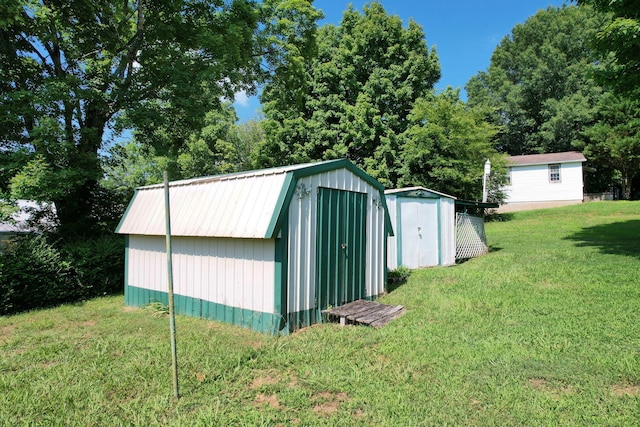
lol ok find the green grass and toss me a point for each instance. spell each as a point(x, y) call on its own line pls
point(544, 330)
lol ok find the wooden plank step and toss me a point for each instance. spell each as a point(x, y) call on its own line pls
point(382, 313)
point(384, 320)
point(343, 310)
point(365, 311)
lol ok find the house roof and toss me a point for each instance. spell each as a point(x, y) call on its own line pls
point(420, 192)
point(240, 205)
point(539, 159)
point(20, 218)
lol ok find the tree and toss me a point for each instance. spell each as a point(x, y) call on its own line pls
point(71, 69)
point(538, 83)
point(614, 141)
point(355, 97)
point(447, 145)
point(621, 37)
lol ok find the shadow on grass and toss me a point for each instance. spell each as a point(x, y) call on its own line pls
point(618, 238)
point(498, 217)
point(392, 285)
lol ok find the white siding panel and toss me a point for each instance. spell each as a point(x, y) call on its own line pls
point(392, 242)
point(233, 272)
point(531, 184)
point(448, 231)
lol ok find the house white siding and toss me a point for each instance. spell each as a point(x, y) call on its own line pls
point(531, 183)
point(232, 272)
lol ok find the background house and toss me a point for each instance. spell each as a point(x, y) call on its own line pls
point(544, 180)
point(266, 249)
point(22, 219)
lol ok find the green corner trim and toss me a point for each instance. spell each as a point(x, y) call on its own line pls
point(281, 210)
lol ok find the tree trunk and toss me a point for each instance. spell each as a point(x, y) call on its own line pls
point(78, 209)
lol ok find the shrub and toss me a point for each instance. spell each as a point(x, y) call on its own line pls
point(98, 264)
point(399, 275)
point(34, 275)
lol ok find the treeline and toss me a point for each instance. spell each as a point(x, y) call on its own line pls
point(99, 97)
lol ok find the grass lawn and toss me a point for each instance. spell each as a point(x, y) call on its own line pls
point(544, 330)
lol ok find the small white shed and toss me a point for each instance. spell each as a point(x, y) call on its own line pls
point(424, 223)
point(266, 249)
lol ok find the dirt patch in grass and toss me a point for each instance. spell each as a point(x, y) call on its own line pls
point(622, 390)
point(327, 403)
point(264, 378)
point(556, 392)
point(271, 400)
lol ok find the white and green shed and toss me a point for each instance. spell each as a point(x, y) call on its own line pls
point(266, 249)
point(424, 222)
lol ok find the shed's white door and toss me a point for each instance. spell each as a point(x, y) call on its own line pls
point(419, 240)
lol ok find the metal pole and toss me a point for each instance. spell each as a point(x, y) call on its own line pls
point(172, 317)
point(485, 178)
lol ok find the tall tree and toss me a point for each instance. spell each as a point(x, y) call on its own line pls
point(538, 82)
point(355, 97)
point(614, 141)
point(447, 145)
point(621, 37)
point(70, 69)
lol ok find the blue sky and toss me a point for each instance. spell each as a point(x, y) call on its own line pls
point(464, 32)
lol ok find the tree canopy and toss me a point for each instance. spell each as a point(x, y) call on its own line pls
point(620, 36)
point(354, 100)
point(71, 71)
point(446, 146)
point(539, 81)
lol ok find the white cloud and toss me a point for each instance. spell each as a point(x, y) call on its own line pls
point(241, 98)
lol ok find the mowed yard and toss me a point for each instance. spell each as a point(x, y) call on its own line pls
point(544, 330)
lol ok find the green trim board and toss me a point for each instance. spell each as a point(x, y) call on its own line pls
point(281, 275)
point(281, 210)
point(259, 321)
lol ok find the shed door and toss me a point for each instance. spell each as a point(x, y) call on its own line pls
point(419, 240)
point(341, 245)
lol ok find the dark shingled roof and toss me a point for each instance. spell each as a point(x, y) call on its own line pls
point(537, 159)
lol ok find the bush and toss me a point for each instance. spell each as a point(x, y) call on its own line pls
point(36, 273)
point(399, 275)
point(98, 265)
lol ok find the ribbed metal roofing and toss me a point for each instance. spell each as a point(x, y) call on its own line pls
point(538, 159)
point(240, 205)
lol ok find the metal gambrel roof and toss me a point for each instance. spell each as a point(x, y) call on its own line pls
point(240, 205)
point(420, 192)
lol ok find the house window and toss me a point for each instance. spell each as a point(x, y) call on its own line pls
point(554, 173)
